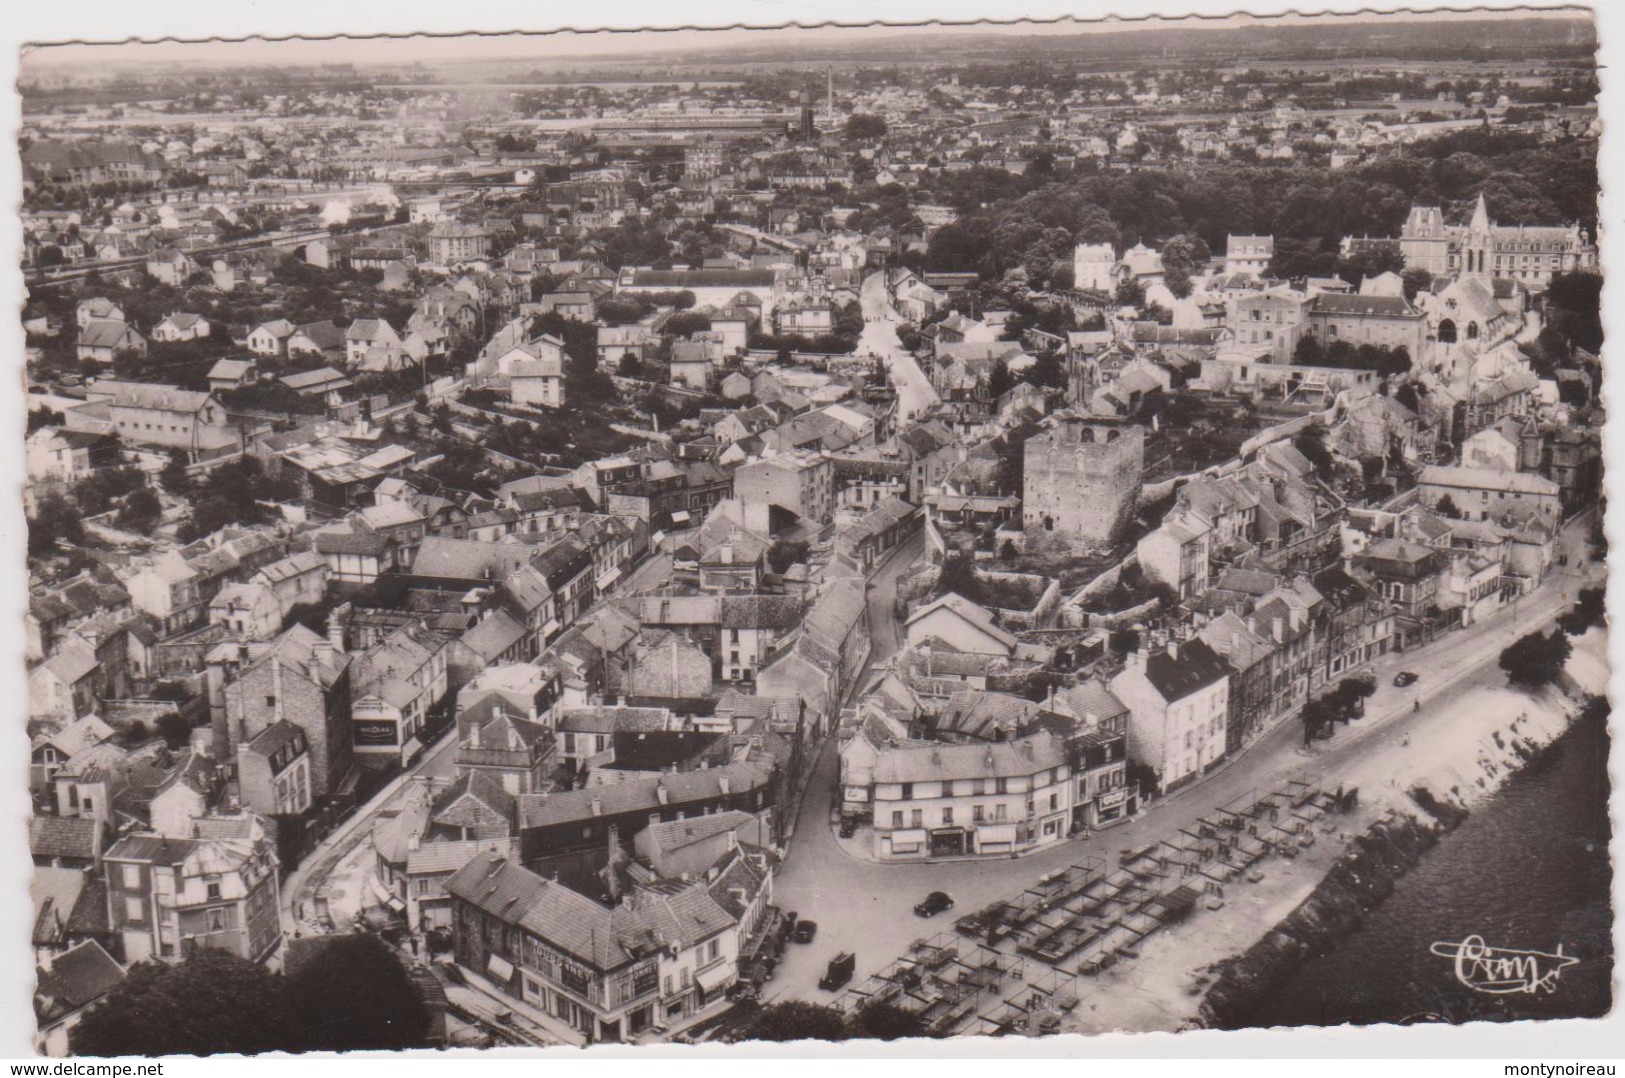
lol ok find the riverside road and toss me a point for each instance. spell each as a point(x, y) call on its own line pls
point(868, 908)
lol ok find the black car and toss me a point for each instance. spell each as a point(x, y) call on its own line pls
point(936, 902)
point(805, 931)
point(1406, 677)
point(839, 972)
point(848, 828)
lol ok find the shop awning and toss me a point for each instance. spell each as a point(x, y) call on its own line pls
point(609, 578)
point(905, 838)
point(681, 517)
point(499, 967)
point(996, 832)
point(715, 977)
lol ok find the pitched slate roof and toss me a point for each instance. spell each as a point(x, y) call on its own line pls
point(453, 807)
point(494, 635)
point(469, 559)
point(669, 835)
point(77, 978)
point(759, 611)
point(54, 893)
point(933, 762)
point(643, 795)
point(1196, 667)
point(76, 837)
point(985, 716)
point(1362, 306)
point(432, 858)
point(650, 919)
point(977, 615)
point(1487, 479)
point(106, 333)
point(1092, 698)
point(77, 736)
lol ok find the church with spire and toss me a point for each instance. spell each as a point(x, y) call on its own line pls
point(1531, 255)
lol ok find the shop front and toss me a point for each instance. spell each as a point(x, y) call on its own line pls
point(948, 842)
point(996, 838)
point(1113, 806)
point(910, 844)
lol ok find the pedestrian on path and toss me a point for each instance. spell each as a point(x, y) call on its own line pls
point(1406, 740)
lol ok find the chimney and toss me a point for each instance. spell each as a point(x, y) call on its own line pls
point(336, 622)
point(597, 807)
point(1173, 649)
point(724, 785)
point(612, 882)
point(1278, 626)
point(662, 794)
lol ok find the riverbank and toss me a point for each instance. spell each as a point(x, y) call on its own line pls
point(1417, 809)
point(1451, 757)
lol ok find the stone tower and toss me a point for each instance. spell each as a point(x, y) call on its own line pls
point(1081, 483)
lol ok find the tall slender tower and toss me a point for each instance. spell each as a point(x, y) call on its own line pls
point(829, 105)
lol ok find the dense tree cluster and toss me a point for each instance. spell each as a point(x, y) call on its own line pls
point(237, 492)
point(1383, 359)
point(1536, 659)
point(1011, 221)
point(795, 1020)
point(352, 993)
point(1342, 704)
point(1588, 611)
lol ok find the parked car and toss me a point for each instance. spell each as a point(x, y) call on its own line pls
point(1406, 677)
point(805, 931)
point(936, 902)
point(839, 972)
point(848, 828)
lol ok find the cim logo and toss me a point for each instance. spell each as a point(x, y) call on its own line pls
point(1501, 970)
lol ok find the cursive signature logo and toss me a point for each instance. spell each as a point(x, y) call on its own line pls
point(1501, 970)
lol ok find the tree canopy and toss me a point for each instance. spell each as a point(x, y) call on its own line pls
point(1588, 610)
point(55, 518)
point(865, 125)
point(1536, 659)
point(354, 993)
point(1033, 220)
point(351, 992)
point(795, 1020)
point(211, 1003)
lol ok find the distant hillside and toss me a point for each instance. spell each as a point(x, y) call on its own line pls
point(1421, 38)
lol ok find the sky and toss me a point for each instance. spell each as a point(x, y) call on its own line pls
point(574, 46)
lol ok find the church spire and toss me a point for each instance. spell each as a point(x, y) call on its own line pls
point(1481, 216)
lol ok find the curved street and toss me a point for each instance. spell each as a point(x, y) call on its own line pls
point(915, 394)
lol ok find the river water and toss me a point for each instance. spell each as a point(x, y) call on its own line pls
point(1528, 870)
